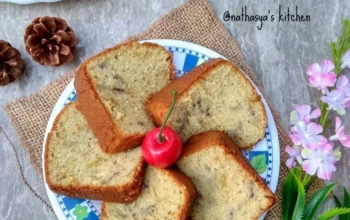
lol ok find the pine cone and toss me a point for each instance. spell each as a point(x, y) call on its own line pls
point(11, 63)
point(50, 41)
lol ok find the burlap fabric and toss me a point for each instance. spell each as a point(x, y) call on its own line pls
point(194, 21)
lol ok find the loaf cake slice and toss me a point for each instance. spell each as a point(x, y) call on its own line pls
point(167, 194)
point(228, 187)
point(76, 167)
point(214, 96)
point(112, 88)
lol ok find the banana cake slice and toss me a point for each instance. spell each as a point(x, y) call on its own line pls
point(228, 187)
point(112, 88)
point(214, 96)
point(76, 167)
point(167, 194)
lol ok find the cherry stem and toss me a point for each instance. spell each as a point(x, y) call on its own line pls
point(160, 137)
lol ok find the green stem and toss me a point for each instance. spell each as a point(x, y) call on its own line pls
point(306, 179)
point(338, 49)
point(160, 137)
point(324, 118)
point(324, 114)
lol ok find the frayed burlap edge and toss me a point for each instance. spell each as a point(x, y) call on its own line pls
point(30, 114)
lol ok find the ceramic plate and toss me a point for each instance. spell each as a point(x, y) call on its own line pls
point(264, 157)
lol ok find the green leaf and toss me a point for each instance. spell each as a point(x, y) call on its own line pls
point(339, 205)
point(316, 200)
point(337, 202)
point(345, 28)
point(298, 172)
point(289, 194)
point(306, 179)
point(333, 50)
point(339, 47)
point(300, 202)
point(346, 199)
point(308, 185)
point(333, 213)
point(346, 204)
point(348, 26)
point(259, 163)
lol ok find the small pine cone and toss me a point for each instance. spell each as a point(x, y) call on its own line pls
point(50, 41)
point(11, 63)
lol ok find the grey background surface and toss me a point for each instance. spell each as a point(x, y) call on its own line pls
point(279, 54)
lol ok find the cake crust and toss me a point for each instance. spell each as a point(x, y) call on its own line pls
point(111, 138)
point(122, 194)
point(158, 104)
point(184, 181)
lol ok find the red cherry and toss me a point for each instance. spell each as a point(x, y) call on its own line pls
point(162, 146)
point(161, 154)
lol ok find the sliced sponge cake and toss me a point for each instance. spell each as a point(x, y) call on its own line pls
point(228, 187)
point(166, 195)
point(75, 166)
point(214, 96)
point(112, 88)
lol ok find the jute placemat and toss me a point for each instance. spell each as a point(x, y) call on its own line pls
point(194, 21)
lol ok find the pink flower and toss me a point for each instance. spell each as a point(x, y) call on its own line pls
point(321, 76)
point(345, 61)
point(302, 113)
point(339, 98)
point(339, 134)
point(321, 160)
point(295, 155)
point(306, 135)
